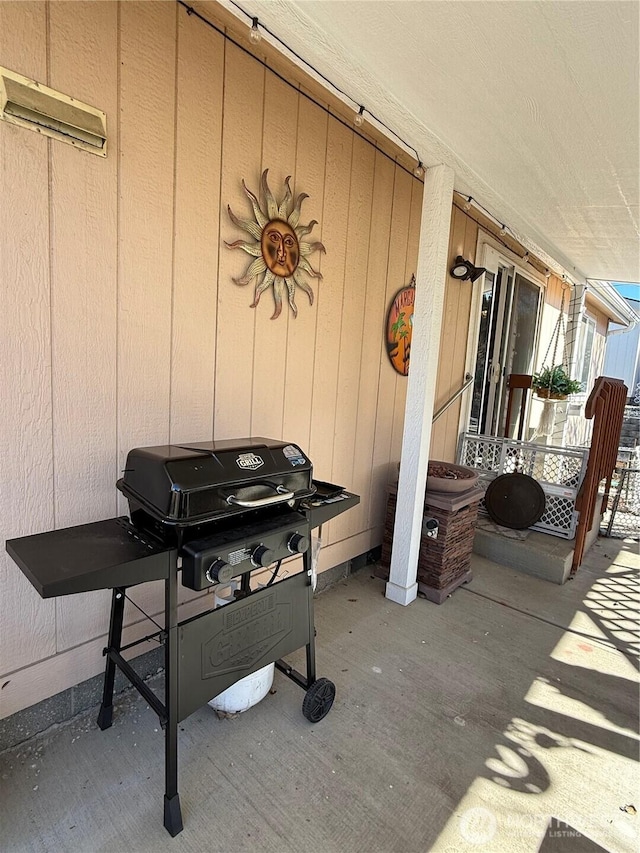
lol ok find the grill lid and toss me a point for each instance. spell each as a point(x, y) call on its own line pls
point(191, 483)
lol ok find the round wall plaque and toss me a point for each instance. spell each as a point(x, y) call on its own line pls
point(399, 328)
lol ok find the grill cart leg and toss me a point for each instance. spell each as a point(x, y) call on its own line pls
point(321, 692)
point(105, 714)
point(311, 645)
point(172, 810)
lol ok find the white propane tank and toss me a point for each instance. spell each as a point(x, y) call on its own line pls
point(247, 691)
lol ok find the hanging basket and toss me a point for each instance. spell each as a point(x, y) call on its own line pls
point(554, 383)
point(546, 394)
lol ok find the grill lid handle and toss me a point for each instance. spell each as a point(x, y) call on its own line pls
point(283, 494)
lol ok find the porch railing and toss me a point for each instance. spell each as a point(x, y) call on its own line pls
point(468, 380)
point(605, 405)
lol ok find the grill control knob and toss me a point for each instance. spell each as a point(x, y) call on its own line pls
point(219, 572)
point(262, 556)
point(298, 543)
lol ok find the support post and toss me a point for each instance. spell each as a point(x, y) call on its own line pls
point(425, 344)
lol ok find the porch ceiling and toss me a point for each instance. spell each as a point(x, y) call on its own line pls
point(534, 105)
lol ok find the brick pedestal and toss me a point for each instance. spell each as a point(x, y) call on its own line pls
point(443, 563)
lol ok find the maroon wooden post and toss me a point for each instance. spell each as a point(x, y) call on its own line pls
point(522, 381)
point(606, 406)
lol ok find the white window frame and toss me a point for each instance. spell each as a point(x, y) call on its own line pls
point(588, 327)
point(578, 401)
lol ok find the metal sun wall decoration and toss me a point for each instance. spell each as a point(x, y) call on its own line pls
point(279, 251)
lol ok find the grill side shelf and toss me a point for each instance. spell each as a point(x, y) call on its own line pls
point(100, 555)
point(320, 510)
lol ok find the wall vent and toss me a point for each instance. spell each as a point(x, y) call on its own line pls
point(30, 104)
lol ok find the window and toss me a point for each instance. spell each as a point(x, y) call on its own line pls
point(585, 352)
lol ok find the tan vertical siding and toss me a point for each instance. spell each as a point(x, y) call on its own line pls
point(414, 201)
point(453, 340)
point(83, 196)
point(145, 237)
point(199, 94)
point(386, 451)
point(554, 291)
point(373, 358)
point(329, 295)
point(270, 346)
point(27, 624)
point(145, 222)
point(241, 148)
point(310, 166)
point(121, 325)
point(353, 299)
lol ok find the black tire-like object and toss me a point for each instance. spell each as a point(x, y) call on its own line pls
point(318, 700)
point(515, 500)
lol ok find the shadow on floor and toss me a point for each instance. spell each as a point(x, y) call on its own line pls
point(480, 724)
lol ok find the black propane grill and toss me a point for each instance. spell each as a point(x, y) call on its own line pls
point(228, 507)
point(217, 511)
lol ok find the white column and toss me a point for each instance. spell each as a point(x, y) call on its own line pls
point(425, 344)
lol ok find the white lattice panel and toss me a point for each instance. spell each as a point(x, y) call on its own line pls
point(559, 470)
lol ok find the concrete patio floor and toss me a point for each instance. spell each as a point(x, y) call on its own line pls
point(505, 719)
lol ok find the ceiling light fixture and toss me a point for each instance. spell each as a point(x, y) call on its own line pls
point(419, 170)
point(359, 119)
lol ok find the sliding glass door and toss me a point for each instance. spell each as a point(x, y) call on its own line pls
point(506, 344)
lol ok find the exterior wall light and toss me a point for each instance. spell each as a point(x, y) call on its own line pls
point(465, 271)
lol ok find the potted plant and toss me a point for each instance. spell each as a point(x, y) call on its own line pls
point(554, 383)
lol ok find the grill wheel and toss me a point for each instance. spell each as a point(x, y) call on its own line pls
point(318, 699)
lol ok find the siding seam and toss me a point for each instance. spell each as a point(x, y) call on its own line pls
point(118, 227)
point(369, 520)
point(315, 330)
point(286, 349)
point(47, 19)
point(173, 223)
point(219, 234)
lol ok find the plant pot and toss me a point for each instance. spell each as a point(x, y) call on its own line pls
point(546, 394)
point(466, 478)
